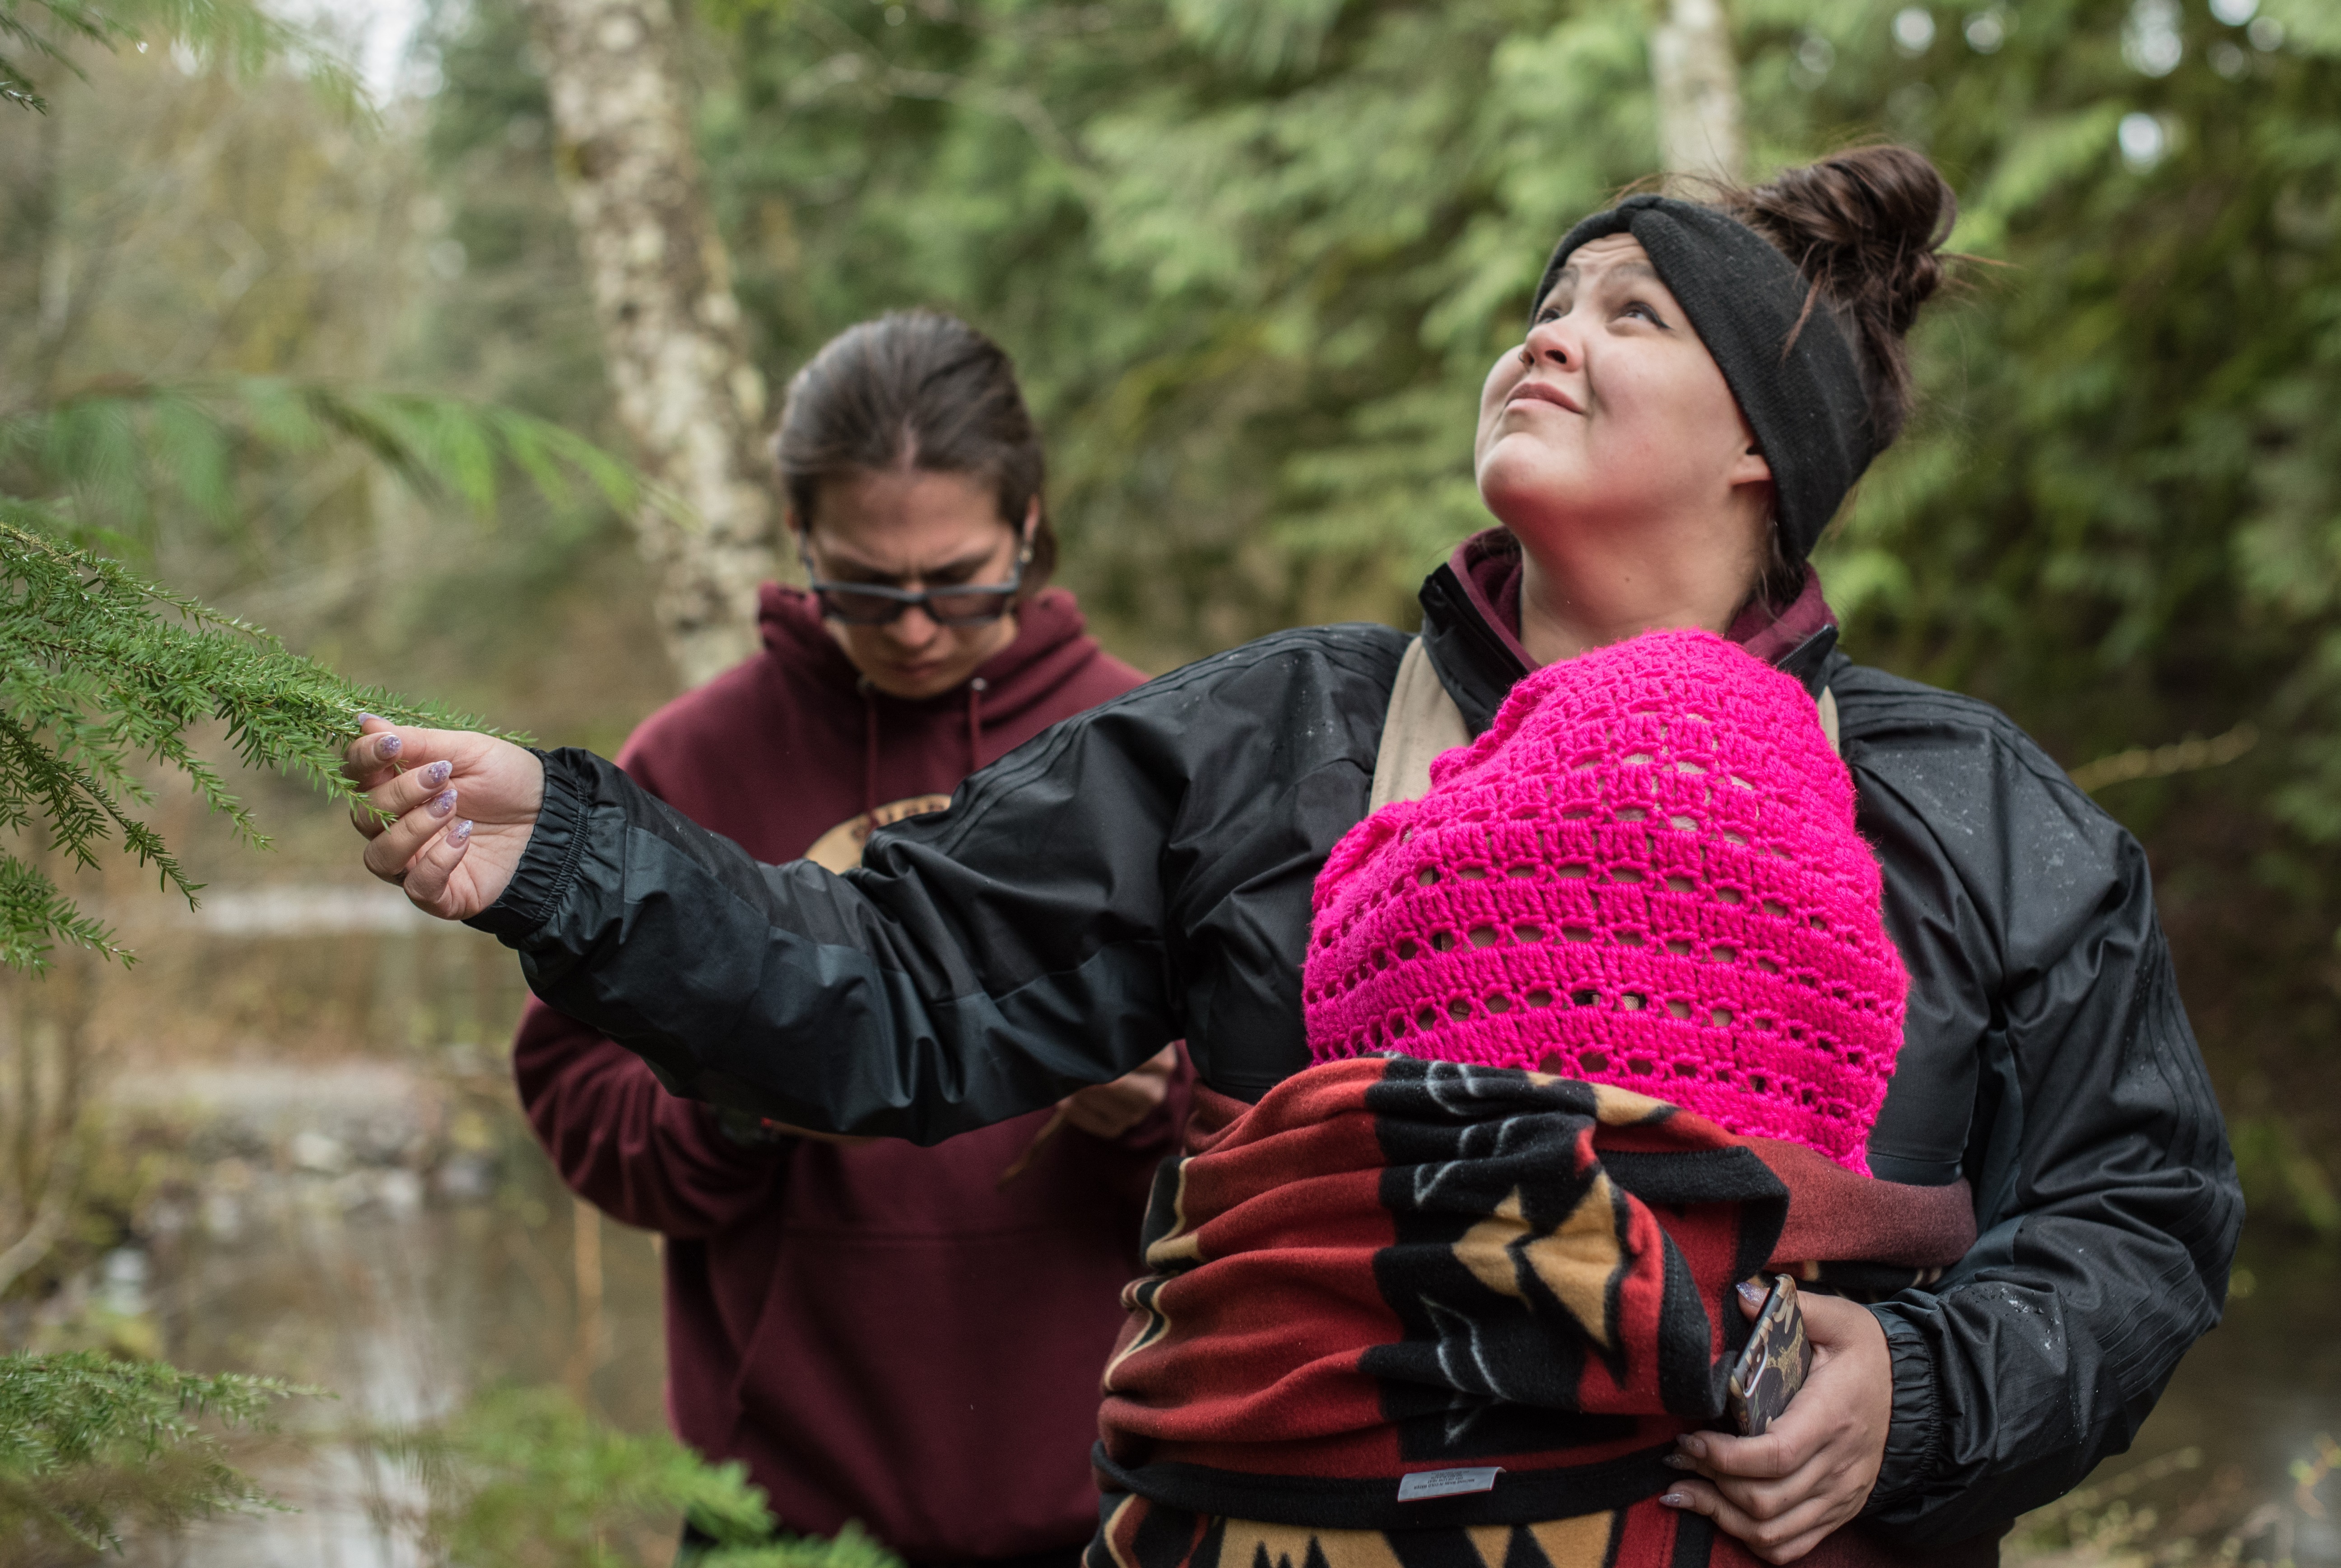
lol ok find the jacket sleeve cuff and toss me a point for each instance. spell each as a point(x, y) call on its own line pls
point(549, 864)
point(1914, 1439)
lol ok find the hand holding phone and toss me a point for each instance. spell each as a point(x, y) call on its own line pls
point(1774, 1365)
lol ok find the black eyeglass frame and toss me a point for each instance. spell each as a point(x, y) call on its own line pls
point(899, 600)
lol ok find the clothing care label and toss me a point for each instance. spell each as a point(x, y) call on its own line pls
point(1424, 1483)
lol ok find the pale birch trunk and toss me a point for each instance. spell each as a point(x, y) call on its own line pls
point(1697, 85)
point(670, 329)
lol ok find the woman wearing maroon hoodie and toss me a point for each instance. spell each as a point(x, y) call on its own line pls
point(909, 1337)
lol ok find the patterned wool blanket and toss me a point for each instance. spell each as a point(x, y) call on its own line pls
point(1511, 1287)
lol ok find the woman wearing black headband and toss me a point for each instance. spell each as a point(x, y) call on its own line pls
point(1698, 390)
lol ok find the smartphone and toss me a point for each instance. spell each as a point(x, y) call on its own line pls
point(1774, 1365)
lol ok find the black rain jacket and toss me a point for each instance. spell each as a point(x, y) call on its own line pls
point(1142, 873)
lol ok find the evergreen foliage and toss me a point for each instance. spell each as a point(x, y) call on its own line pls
point(130, 455)
point(106, 679)
point(523, 1478)
point(89, 1445)
point(100, 670)
point(237, 34)
point(1255, 259)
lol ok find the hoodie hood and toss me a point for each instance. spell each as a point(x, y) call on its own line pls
point(1051, 644)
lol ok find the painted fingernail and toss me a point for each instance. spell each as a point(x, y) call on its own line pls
point(436, 775)
point(1676, 1461)
point(441, 804)
point(461, 834)
point(388, 745)
point(1675, 1499)
point(1694, 1446)
point(372, 719)
point(1751, 1292)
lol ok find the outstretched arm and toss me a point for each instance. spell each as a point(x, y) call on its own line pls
point(1147, 860)
point(981, 965)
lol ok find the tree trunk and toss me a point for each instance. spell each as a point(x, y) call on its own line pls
point(1697, 87)
point(670, 329)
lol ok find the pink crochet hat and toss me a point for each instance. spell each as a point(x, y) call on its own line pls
point(1645, 874)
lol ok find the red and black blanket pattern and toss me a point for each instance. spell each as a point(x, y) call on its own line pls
point(1390, 1266)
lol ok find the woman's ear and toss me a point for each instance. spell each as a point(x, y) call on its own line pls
point(1750, 468)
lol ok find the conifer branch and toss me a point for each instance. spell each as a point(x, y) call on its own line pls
point(87, 1442)
point(100, 670)
point(239, 34)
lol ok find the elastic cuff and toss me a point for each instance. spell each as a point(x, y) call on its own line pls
point(1914, 1440)
point(549, 864)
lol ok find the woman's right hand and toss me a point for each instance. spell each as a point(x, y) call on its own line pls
point(465, 807)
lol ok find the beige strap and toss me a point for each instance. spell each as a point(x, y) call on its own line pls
point(1422, 722)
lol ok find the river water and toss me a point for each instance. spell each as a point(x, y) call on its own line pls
point(403, 1314)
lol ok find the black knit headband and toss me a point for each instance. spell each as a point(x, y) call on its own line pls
point(1790, 368)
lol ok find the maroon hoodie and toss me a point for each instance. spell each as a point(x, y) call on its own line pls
point(880, 1332)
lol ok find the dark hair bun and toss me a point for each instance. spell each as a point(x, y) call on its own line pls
point(1865, 228)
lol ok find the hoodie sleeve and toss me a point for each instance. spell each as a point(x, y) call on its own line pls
point(619, 1141)
point(640, 1154)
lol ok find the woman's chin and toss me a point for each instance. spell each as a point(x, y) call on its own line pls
point(1526, 497)
point(916, 683)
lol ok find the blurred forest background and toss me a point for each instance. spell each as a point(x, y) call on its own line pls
point(1253, 258)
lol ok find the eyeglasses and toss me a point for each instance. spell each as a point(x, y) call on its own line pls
point(958, 604)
